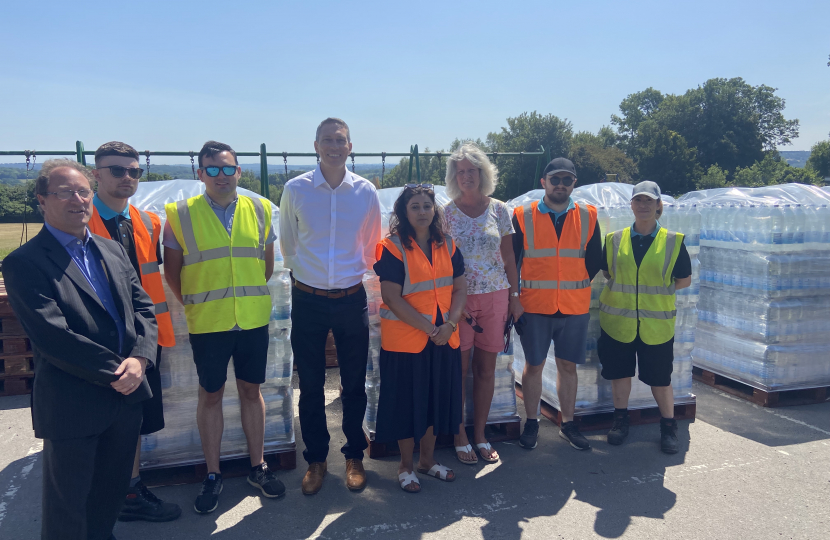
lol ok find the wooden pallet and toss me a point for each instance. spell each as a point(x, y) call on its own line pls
point(232, 468)
point(603, 420)
point(506, 431)
point(331, 353)
point(779, 398)
point(15, 386)
point(16, 357)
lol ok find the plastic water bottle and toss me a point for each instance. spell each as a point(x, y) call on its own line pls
point(777, 227)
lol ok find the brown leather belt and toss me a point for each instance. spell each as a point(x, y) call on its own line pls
point(328, 293)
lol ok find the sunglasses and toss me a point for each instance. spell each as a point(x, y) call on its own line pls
point(474, 325)
point(213, 172)
point(117, 171)
point(416, 186)
point(554, 180)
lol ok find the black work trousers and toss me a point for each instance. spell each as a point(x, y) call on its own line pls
point(312, 317)
point(85, 480)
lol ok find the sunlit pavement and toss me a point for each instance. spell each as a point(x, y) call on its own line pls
point(743, 472)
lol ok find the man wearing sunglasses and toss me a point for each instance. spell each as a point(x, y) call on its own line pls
point(219, 255)
point(117, 174)
point(329, 227)
point(559, 251)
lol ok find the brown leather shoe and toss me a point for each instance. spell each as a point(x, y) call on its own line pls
point(355, 474)
point(313, 479)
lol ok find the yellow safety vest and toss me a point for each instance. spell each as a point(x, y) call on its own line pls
point(643, 294)
point(223, 277)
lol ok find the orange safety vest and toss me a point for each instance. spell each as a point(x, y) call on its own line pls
point(427, 287)
point(553, 273)
point(145, 240)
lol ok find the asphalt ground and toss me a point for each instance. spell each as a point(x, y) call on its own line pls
point(743, 472)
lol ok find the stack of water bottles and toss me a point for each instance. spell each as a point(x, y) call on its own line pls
point(614, 213)
point(764, 314)
point(503, 407)
point(179, 443)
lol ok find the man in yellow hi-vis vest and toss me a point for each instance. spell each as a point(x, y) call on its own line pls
point(219, 254)
point(644, 264)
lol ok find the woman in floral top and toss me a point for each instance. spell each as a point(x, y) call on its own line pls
point(482, 230)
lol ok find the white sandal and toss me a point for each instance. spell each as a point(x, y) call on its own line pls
point(439, 471)
point(466, 449)
point(486, 446)
point(406, 478)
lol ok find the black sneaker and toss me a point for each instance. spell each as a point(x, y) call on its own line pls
point(141, 504)
point(263, 479)
point(571, 433)
point(208, 498)
point(529, 435)
point(619, 429)
point(668, 436)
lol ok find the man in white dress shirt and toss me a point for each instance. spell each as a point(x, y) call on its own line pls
point(329, 227)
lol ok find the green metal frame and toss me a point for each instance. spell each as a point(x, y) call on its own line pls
point(414, 155)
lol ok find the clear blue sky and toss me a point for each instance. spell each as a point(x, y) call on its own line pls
point(168, 75)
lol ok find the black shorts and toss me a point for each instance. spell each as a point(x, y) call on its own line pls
point(153, 408)
point(213, 351)
point(619, 359)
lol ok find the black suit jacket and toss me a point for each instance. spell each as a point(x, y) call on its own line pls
point(74, 339)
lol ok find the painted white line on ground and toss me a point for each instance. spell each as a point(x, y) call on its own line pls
point(17, 480)
point(329, 519)
point(770, 411)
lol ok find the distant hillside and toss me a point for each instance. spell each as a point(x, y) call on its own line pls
point(795, 158)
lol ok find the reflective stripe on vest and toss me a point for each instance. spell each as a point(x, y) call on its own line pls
point(532, 253)
point(223, 281)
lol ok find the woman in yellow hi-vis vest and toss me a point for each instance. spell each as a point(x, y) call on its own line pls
point(644, 265)
point(424, 292)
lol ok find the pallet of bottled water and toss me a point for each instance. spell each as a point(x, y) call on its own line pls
point(764, 311)
point(179, 442)
point(614, 213)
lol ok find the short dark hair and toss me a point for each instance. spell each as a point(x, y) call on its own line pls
point(211, 148)
point(42, 182)
point(332, 120)
point(115, 148)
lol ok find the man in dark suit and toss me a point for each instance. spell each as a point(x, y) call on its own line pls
point(93, 332)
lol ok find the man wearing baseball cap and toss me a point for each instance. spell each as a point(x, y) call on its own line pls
point(644, 265)
point(558, 251)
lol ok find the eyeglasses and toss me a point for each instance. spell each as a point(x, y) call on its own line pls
point(67, 194)
point(117, 171)
point(554, 180)
point(416, 186)
point(474, 325)
point(213, 172)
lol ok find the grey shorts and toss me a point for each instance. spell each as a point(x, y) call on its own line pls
point(569, 336)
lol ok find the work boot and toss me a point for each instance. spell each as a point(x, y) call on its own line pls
point(355, 474)
point(529, 434)
point(141, 504)
point(313, 479)
point(668, 436)
point(619, 429)
point(571, 433)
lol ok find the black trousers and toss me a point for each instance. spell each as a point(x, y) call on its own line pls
point(85, 480)
point(312, 317)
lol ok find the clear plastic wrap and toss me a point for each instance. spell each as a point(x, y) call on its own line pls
point(179, 442)
point(765, 291)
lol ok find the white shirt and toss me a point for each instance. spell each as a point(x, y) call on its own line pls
point(328, 236)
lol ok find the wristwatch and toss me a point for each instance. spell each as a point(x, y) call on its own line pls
point(514, 294)
point(454, 325)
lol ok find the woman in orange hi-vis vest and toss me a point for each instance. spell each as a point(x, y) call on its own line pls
point(424, 291)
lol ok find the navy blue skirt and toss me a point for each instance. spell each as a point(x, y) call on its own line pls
point(419, 390)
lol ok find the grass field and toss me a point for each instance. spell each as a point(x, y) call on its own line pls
point(10, 236)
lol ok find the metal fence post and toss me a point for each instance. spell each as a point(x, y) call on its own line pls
point(263, 172)
point(417, 163)
point(79, 152)
point(411, 157)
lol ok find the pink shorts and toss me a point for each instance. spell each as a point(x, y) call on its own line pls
point(489, 311)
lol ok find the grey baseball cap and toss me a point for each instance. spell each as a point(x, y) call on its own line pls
point(560, 164)
point(647, 188)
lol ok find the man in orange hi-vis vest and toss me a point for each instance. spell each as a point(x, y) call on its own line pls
point(558, 249)
point(117, 174)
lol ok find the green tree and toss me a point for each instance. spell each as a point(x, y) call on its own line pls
point(635, 109)
point(820, 159)
point(670, 162)
point(771, 171)
point(606, 137)
point(594, 162)
point(715, 177)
